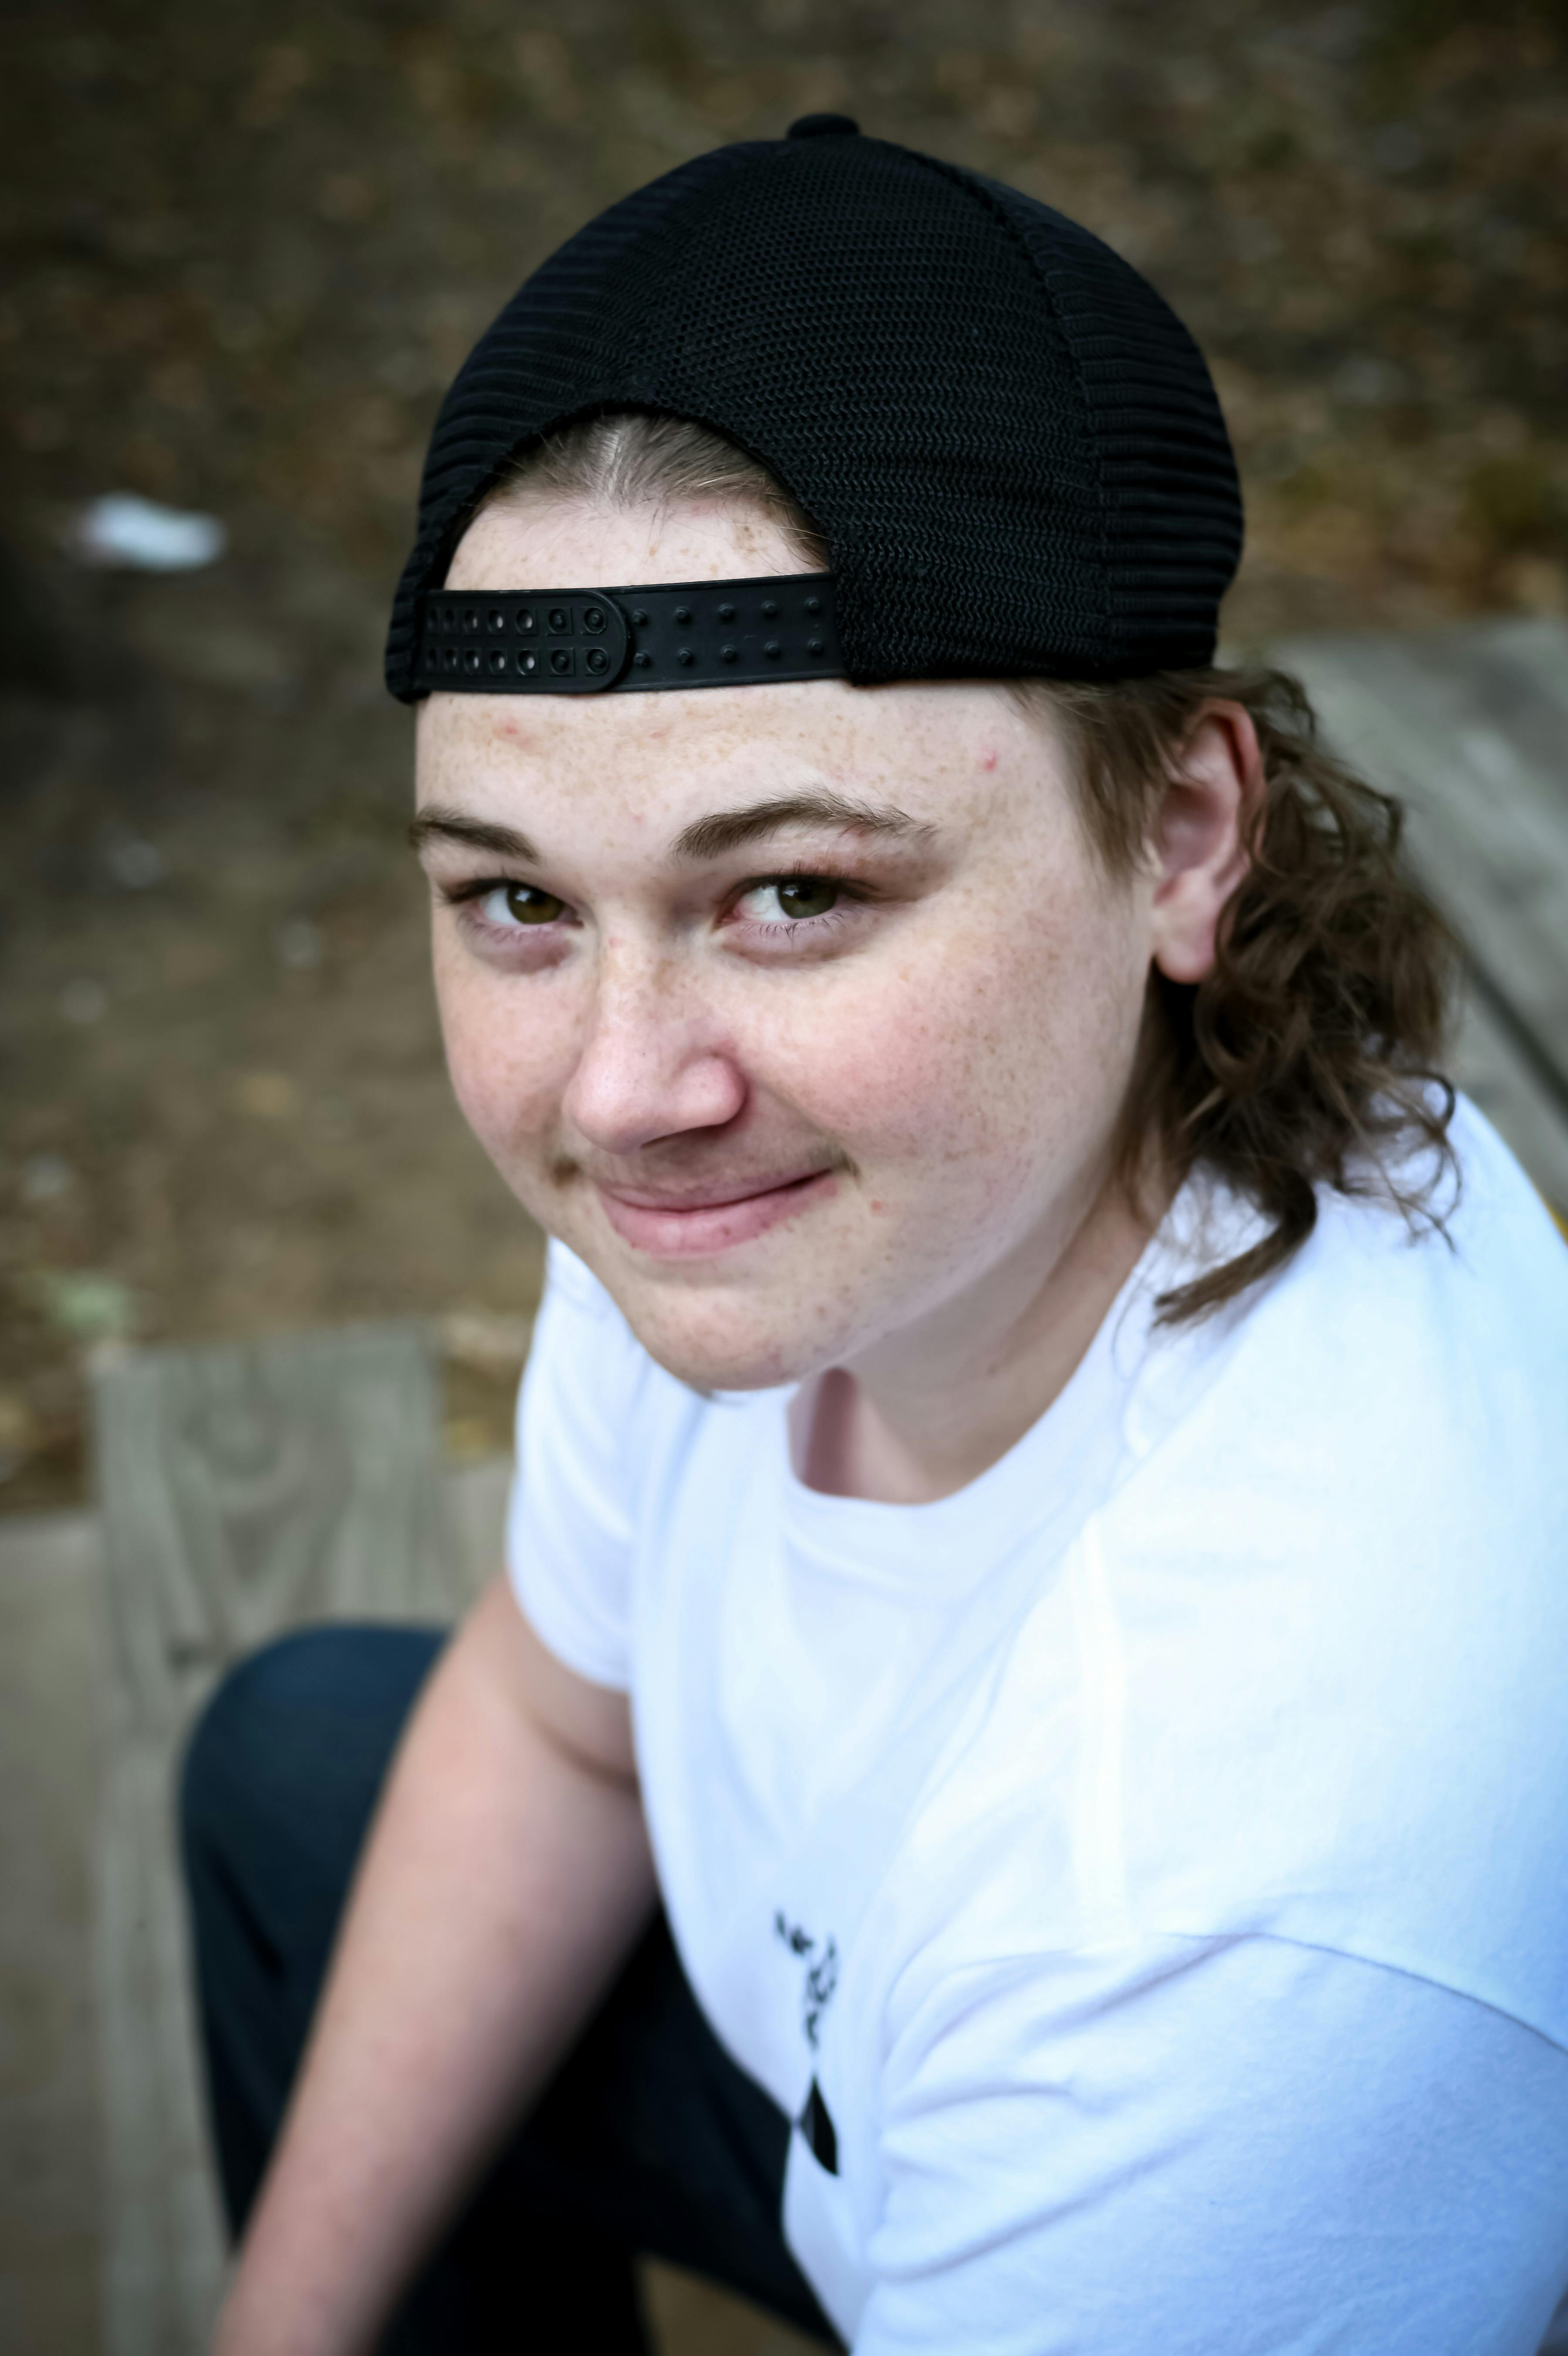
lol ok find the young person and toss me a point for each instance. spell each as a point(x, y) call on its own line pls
point(1011, 1796)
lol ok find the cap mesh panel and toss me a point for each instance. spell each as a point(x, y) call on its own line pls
point(1010, 443)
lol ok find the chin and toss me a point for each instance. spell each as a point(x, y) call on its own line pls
point(710, 1350)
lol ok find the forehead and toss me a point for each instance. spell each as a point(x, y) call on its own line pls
point(957, 753)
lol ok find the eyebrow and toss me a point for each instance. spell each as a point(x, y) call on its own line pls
point(706, 838)
point(439, 824)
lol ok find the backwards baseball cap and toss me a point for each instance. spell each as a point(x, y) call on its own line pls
point(1009, 442)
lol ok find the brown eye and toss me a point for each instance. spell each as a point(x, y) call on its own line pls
point(531, 907)
point(807, 895)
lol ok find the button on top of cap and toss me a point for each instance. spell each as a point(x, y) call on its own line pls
point(824, 127)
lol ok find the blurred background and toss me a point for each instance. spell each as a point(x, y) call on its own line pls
point(245, 248)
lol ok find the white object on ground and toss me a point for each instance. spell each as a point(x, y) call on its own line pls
point(122, 528)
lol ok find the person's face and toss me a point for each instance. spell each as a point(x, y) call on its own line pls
point(803, 1013)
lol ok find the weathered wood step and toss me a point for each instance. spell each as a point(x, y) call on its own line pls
point(243, 1488)
point(1469, 728)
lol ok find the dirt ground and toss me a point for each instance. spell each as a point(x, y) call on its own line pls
point(246, 246)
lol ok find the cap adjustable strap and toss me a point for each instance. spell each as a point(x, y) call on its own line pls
point(584, 641)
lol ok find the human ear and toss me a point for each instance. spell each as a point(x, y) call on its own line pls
point(1200, 837)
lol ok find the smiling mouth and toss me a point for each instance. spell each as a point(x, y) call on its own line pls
point(705, 1202)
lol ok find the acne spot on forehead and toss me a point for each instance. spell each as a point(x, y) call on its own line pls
point(989, 757)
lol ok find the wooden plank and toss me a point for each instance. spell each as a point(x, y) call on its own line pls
point(1490, 1068)
point(248, 1487)
point(1519, 670)
point(51, 1579)
point(1484, 785)
point(1467, 728)
point(696, 2318)
point(476, 1498)
point(164, 2258)
point(243, 1489)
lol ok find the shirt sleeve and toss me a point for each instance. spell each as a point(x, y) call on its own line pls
point(570, 1519)
point(1217, 2149)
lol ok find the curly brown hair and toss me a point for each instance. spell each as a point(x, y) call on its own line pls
point(1310, 1055)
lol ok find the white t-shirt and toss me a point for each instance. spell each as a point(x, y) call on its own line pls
point(1144, 1872)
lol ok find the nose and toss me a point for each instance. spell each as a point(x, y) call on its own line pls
point(650, 1065)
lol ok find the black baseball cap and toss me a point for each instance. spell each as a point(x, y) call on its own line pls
point(1009, 442)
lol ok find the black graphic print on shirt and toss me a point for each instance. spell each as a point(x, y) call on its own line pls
point(820, 1957)
point(816, 2126)
point(821, 1971)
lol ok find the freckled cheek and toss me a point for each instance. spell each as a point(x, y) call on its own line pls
point(509, 1049)
point(861, 1082)
point(984, 1052)
point(896, 1065)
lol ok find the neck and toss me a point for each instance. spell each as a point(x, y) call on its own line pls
point(928, 1410)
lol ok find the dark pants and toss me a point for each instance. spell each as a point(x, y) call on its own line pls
point(648, 2139)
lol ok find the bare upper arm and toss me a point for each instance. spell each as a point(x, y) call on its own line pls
point(590, 1724)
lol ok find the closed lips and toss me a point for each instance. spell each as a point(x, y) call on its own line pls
point(638, 1199)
